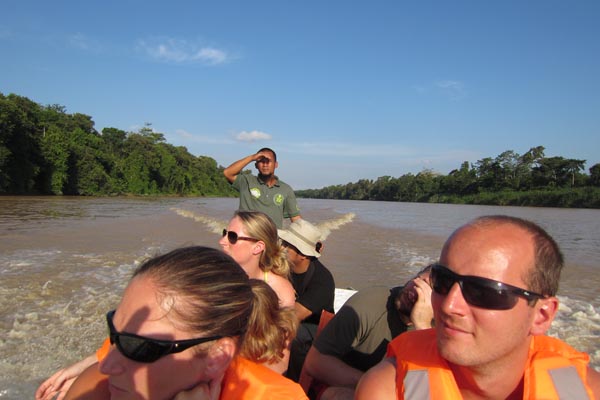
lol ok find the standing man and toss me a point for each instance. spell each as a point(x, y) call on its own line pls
point(314, 286)
point(494, 298)
point(264, 192)
point(357, 337)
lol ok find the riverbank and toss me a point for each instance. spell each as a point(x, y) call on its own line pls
point(579, 197)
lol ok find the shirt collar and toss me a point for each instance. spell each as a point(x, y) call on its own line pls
point(265, 183)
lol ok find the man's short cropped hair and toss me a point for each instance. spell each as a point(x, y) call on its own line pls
point(544, 277)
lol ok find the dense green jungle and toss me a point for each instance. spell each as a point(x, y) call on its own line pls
point(509, 179)
point(46, 151)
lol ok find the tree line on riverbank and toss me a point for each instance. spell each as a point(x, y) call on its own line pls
point(530, 179)
point(44, 150)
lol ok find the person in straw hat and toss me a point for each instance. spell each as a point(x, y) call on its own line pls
point(313, 283)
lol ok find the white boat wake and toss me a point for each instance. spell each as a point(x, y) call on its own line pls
point(216, 225)
point(213, 224)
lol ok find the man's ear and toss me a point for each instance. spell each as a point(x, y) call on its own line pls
point(545, 310)
point(276, 164)
point(219, 356)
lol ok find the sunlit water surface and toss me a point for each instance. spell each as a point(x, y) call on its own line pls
point(65, 261)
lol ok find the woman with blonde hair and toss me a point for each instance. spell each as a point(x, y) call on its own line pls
point(251, 239)
point(191, 320)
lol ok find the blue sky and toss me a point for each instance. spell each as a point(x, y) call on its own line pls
point(342, 90)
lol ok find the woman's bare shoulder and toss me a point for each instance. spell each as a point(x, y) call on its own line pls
point(284, 289)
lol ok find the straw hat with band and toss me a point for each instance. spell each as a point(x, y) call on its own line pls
point(304, 236)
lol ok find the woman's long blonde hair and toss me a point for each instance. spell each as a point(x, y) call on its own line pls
point(259, 226)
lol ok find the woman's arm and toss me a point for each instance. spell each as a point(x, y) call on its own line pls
point(60, 382)
point(90, 385)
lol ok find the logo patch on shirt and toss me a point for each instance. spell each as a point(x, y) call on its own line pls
point(278, 199)
point(255, 192)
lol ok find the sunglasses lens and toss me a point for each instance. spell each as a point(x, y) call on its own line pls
point(481, 295)
point(478, 292)
point(139, 349)
point(441, 280)
point(133, 347)
point(231, 236)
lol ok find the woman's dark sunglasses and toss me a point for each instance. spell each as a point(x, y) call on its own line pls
point(478, 291)
point(146, 350)
point(233, 237)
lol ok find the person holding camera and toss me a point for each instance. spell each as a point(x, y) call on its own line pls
point(356, 338)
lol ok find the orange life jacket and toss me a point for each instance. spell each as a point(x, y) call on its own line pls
point(247, 380)
point(102, 352)
point(554, 369)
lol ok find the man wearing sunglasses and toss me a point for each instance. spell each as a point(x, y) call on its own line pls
point(494, 298)
point(265, 192)
point(313, 283)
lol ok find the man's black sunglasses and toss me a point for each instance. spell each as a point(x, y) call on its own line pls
point(146, 350)
point(233, 237)
point(478, 291)
point(318, 246)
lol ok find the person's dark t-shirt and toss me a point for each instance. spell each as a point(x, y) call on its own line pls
point(315, 290)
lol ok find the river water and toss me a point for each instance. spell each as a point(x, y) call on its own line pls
point(64, 262)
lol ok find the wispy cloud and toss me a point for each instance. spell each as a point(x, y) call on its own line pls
point(246, 137)
point(79, 40)
point(181, 51)
point(184, 134)
point(453, 89)
point(194, 138)
point(420, 89)
point(382, 151)
point(252, 136)
point(82, 42)
point(348, 149)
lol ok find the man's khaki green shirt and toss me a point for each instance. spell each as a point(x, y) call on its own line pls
point(278, 201)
